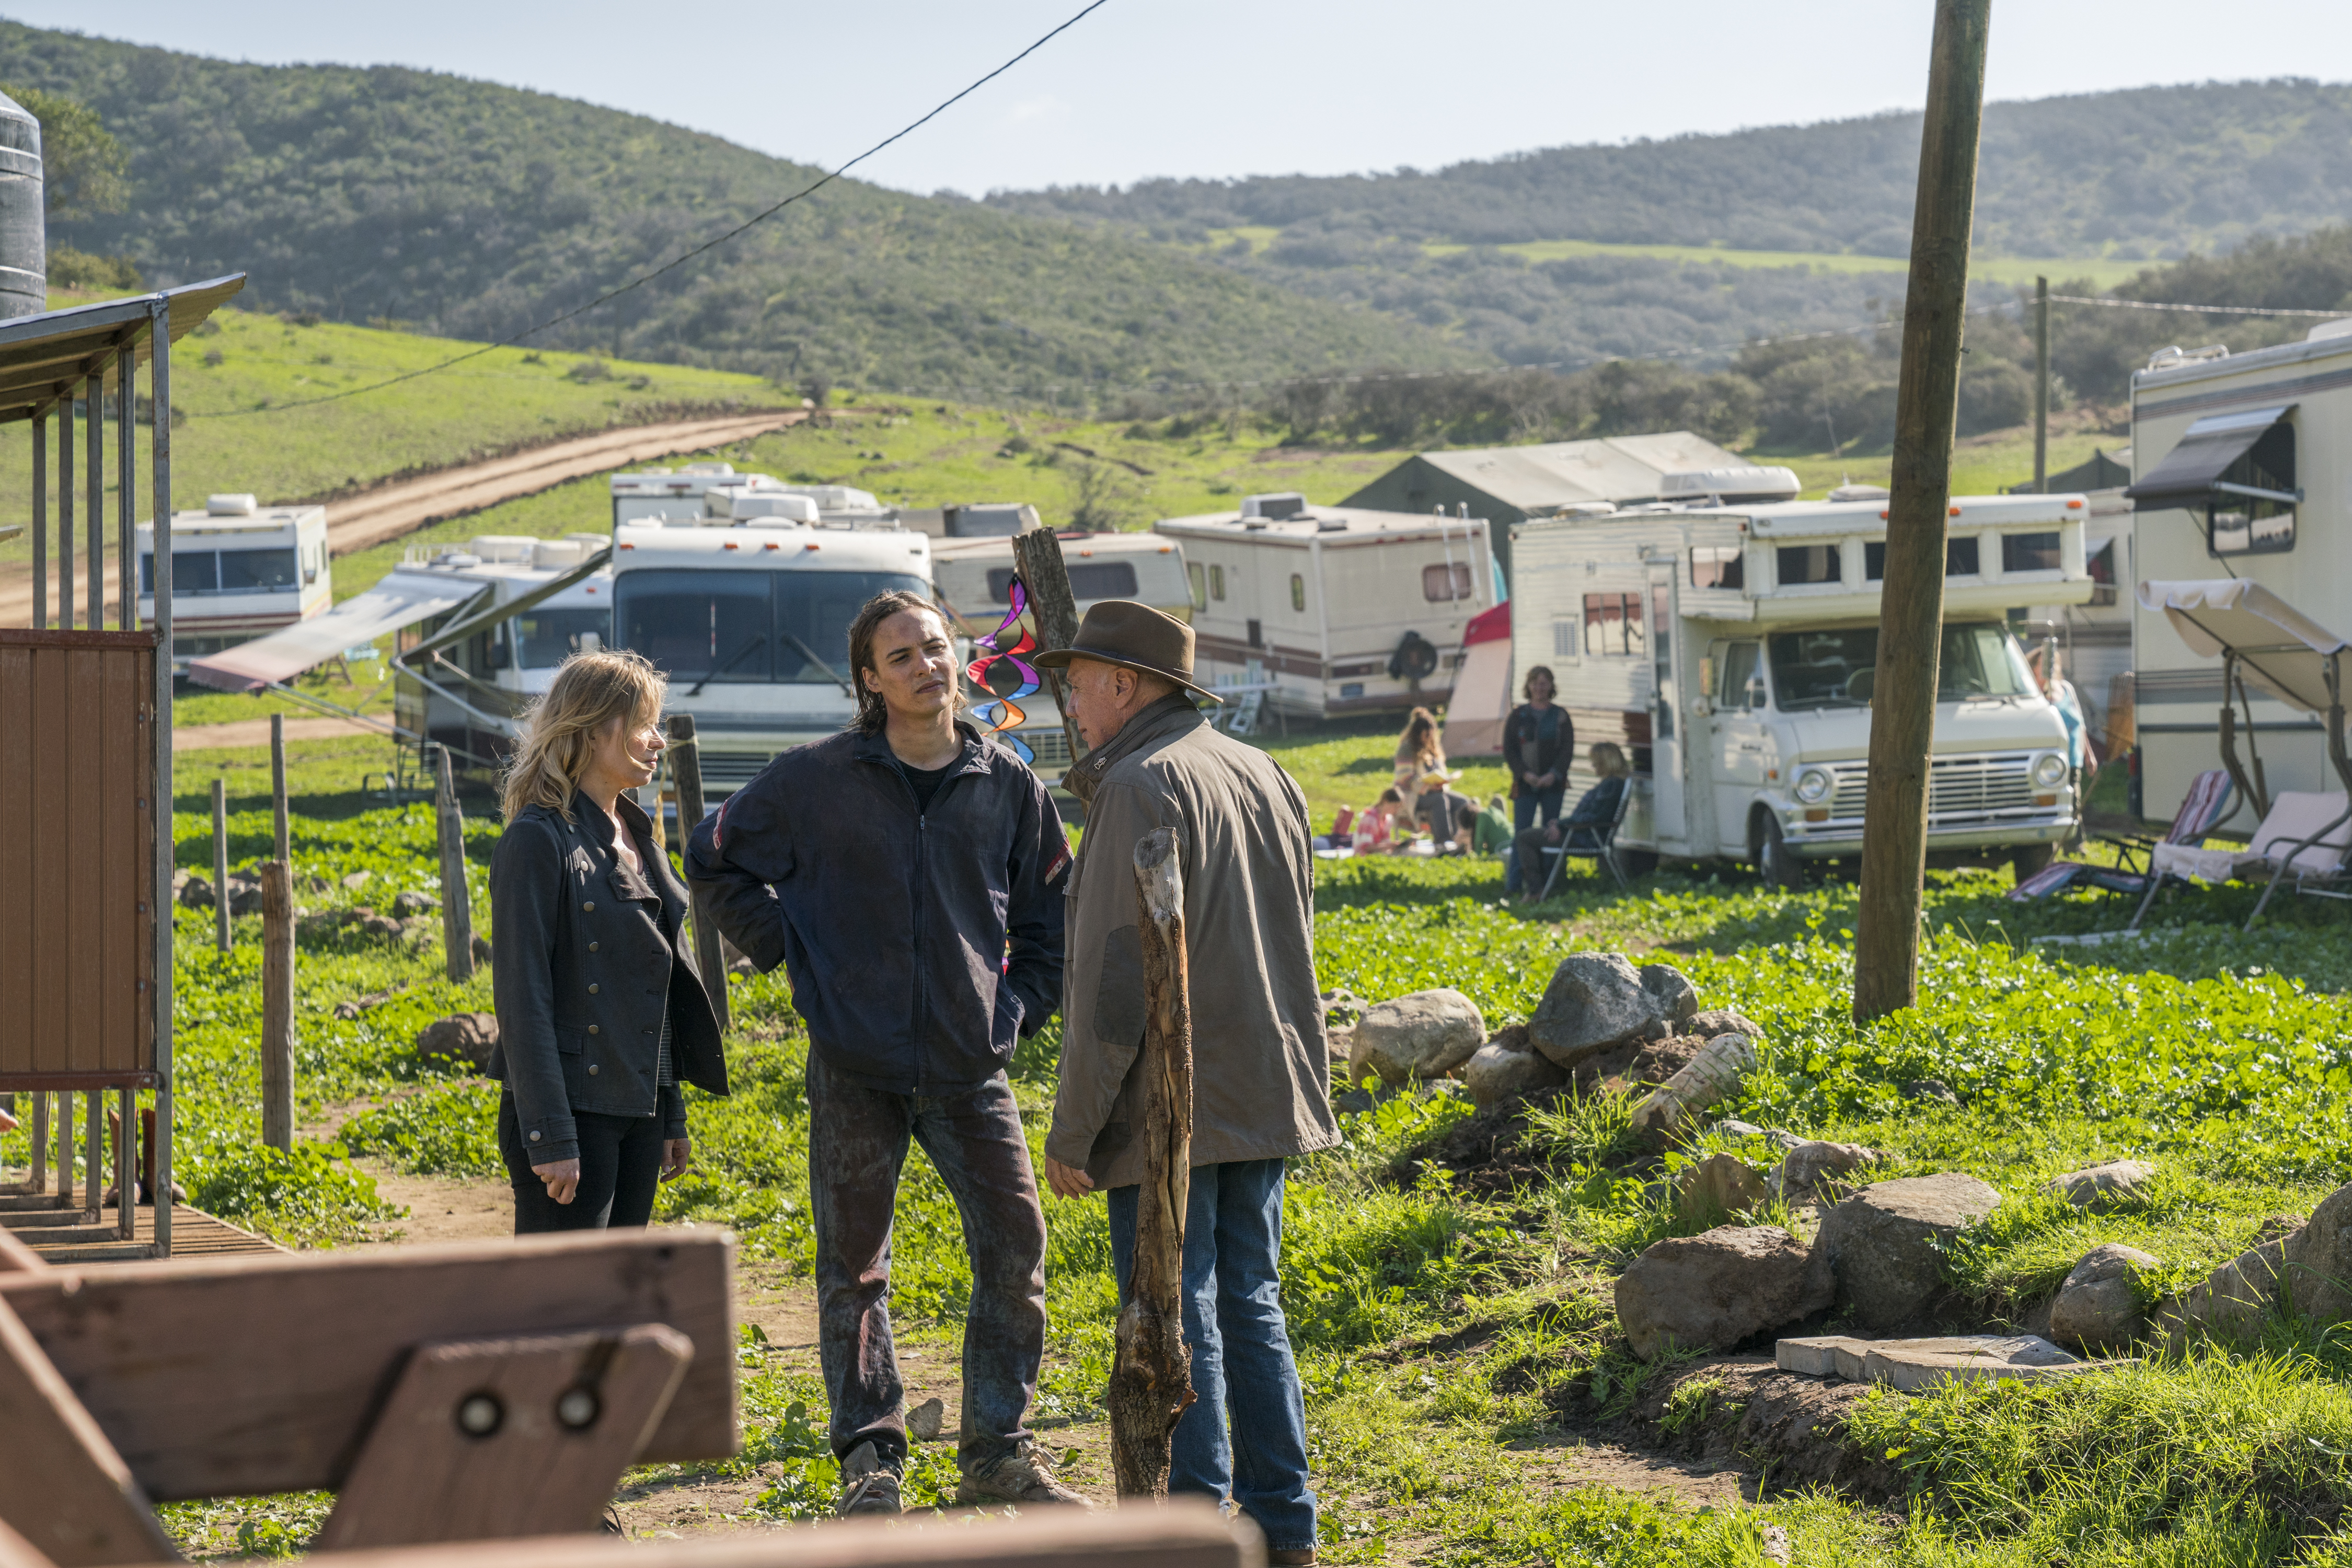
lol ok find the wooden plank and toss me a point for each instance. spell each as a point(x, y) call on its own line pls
point(63, 1486)
point(152, 1348)
point(276, 1005)
point(1180, 1534)
point(16, 1257)
point(485, 1439)
point(62, 1239)
point(15, 1551)
point(18, 834)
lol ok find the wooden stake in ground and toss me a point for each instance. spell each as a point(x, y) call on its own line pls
point(220, 864)
point(456, 907)
point(276, 1005)
point(278, 787)
point(686, 768)
point(1911, 605)
point(1151, 1377)
point(1055, 610)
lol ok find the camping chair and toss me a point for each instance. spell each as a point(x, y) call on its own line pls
point(1604, 848)
point(2308, 835)
point(2211, 799)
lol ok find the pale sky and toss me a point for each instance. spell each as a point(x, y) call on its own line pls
point(1220, 87)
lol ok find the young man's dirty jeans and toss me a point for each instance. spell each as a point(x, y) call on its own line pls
point(1241, 1349)
point(857, 1142)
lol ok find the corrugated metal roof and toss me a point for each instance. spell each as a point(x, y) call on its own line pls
point(41, 354)
point(1561, 473)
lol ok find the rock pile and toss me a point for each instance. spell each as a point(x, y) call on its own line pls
point(1713, 1291)
point(1604, 1021)
point(1425, 1034)
point(470, 1037)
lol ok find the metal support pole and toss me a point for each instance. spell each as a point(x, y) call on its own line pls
point(126, 1163)
point(64, 508)
point(94, 412)
point(2042, 387)
point(158, 334)
point(65, 1149)
point(457, 905)
point(126, 491)
point(40, 1134)
point(686, 768)
point(220, 864)
point(40, 521)
point(93, 1160)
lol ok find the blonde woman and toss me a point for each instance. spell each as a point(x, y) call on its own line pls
point(1420, 749)
point(601, 1010)
point(1582, 828)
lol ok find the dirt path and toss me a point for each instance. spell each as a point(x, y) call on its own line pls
point(393, 509)
point(255, 732)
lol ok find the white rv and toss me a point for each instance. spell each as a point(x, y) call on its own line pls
point(2243, 465)
point(973, 580)
point(239, 570)
point(1731, 652)
point(1341, 610)
point(670, 492)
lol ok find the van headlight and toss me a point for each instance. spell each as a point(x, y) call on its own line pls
point(2049, 770)
point(1813, 786)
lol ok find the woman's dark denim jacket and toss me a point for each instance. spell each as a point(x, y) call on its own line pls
point(584, 962)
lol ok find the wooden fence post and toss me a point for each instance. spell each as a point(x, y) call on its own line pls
point(1151, 1375)
point(1054, 609)
point(1911, 605)
point(220, 864)
point(457, 904)
point(276, 1005)
point(277, 786)
point(686, 771)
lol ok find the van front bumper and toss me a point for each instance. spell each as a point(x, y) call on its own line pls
point(1838, 840)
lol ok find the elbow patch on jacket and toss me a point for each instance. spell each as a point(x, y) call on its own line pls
point(1119, 1007)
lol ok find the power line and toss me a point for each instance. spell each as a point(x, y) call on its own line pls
point(685, 257)
point(2193, 310)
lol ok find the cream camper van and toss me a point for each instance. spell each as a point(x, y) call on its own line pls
point(1731, 653)
point(239, 570)
point(1341, 610)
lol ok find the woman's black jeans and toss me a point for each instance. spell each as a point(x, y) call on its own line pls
point(620, 1168)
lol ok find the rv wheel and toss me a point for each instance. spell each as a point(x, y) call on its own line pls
point(1779, 868)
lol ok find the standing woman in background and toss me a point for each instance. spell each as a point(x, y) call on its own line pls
point(1420, 750)
point(1538, 739)
point(600, 1009)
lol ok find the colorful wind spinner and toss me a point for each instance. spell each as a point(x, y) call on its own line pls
point(1004, 713)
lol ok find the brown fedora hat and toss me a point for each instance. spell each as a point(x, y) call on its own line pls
point(1122, 632)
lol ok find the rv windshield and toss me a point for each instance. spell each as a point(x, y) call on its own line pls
point(1813, 670)
point(548, 637)
point(746, 629)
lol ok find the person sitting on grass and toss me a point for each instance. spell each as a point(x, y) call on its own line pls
point(1448, 816)
point(1580, 829)
point(1491, 834)
point(1376, 829)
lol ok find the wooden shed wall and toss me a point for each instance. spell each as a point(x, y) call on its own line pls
point(78, 812)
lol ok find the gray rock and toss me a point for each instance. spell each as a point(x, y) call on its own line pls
point(2098, 1308)
point(194, 892)
point(1715, 1290)
point(1728, 1128)
point(1426, 1033)
point(1722, 1021)
point(1719, 1186)
point(924, 1421)
point(1595, 999)
point(244, 894)
point(1496, 1072)
point(481, 951)
point(2305, 1269)
point(357, 881)
point(2120, 1183)
point(1678, 997)
point(1882, 1244)
point(461, 1036)
point(406, 904)
point(1934, 1089)
point(2319, 1258)
point(1805, 1167)
point(1713, 1075)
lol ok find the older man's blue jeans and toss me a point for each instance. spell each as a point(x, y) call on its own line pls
point(1242, 1364)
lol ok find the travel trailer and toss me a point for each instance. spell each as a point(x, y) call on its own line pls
point(2244, 472)
point(1338, 609)
point(973, 579)
point(716, 491)
point(239, 570)
point(670, 492)
point(1731, 653)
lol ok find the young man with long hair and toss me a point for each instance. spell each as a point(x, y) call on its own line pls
point(907, 874)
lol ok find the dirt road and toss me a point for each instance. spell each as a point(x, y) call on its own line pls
point(255, 732)
point(388, 512)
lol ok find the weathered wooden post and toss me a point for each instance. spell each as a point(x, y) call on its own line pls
point(278, 788)
point(220, 864)
point(1054, 609)
point(1152, 1375)
point(457, 905)
point(278, 1005)
point(1911, 607)
point(686, 771)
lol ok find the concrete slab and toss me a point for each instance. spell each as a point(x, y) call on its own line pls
point(1818, 1356)
point(1909, 1365)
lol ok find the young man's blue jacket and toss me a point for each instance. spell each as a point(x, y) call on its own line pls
point(920, 946)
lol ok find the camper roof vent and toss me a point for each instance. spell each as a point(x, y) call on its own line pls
point(1330, 525)
point(2326, 330)
point(1276, 506)
point(704, 469)
point(2174, 356)
point(1745, 483)
point(1858, 492)
point(771, 510)
point(231, 506)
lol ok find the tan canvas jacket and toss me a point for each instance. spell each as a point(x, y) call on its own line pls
point(1261, 1070)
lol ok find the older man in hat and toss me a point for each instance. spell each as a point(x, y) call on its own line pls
point(1260, 1077)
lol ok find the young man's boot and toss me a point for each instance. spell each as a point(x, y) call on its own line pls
point(868, 1483)
point(1019, 1475)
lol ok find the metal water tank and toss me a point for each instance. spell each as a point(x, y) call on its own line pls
point(23, 226)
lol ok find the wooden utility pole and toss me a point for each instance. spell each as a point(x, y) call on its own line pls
point(456, 905)
point(278, 787)
point(278, 1005)
point(1055, 610)
point(1911, 605)
point(220, 864)
point(1152, 1375)
point(2042, 387)
point(686, 771)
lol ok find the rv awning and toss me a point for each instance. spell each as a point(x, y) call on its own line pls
point(2186, 475)
point(2281, 649)
point(401, 599)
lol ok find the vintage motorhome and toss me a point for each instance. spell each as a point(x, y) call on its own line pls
point(670, 492)
point(1731, 653)
point(2245, 472)
point(1340, 610)
point(239, 570)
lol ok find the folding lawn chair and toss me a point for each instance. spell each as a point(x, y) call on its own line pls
point(2307, 836)
point(1603, 848)
point(2211, 799)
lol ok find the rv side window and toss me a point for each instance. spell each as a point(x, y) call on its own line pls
point(2238, 523)
point(1961, 559)
point(1199, 577)
point(1803, 564)
point(1738, 670)
point(1216, 583)
point(1297, 593)
point(1442, 584)
point(2103, 574)
point(1612, 625)
point(2029, 553)
point(1088, 580)
point(1719, 566)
